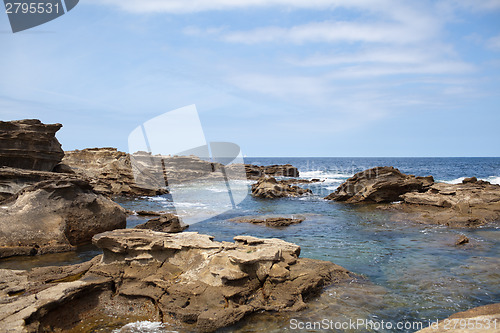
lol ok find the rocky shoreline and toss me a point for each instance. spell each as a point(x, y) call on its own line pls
point(186, 277)
point(470, 204)
point(53, 201)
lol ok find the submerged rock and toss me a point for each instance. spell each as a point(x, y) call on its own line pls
point(270, 188)
point(481, 319)
point(380, 184)
point(164, 223)
point(186, 278)
point(462, 239)
point(29, 144)
point(270, 221)
point(55, 216)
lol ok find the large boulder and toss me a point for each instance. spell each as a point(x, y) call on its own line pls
point(270, 188)
point(29, 144)
point(186, 278)
point(55, 216)
point(108, 170)
point(380, 184)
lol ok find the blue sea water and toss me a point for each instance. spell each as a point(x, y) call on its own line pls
point(411, 273)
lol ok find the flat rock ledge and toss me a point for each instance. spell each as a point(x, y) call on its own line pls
point(270, 188)
point(481, 319)
point(472, 203)
point(186, 278)
point(270, 221)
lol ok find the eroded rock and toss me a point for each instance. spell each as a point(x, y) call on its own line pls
point(271, 221)
point(270, 188)
point(380, 184)
point(164, 223)
point(29, 144)
point(55, 216)
point(186, 278)
point(109, 171)
point(254, 172)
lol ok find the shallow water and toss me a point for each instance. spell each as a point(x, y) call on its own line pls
point(413, 272)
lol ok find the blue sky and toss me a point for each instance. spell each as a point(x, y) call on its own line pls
point(277, 77)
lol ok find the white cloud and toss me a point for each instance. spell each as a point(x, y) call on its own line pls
point(377, 32)
point(493, 43)
point(182, 6)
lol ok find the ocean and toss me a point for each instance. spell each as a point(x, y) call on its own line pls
point(411, 273)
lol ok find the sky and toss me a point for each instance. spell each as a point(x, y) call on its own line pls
point(299, 78)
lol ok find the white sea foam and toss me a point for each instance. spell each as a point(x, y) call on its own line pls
point(454, 181)
point(493, 179)
point(323, 174)
point(143, 327)
point(157, 199)
point(189, 204)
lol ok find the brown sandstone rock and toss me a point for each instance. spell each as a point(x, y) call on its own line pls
point(481, 319)
point(108, 170)
point(380, 184)
point(164, 223)
point(29, 144)
point(270, 188)
point(254, 172)
point(184, 278)
point(462, 240)
point(55, 216)
point(270, 221)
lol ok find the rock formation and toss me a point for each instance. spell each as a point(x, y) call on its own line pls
point(481, 319)
point(470, 204)
point(164, 223)
point(270, 221)
point(270, 188)
point(55, 216)
point(254, 172)
point(13, 180)
point(109, 171)
point(29, 144)
point(380, 184)
point(186, 278)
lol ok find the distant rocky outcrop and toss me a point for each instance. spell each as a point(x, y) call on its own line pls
point(185, 278)
point(254, 172)
point(29, 144)
point(109, 171)
point(270, 188)
point(470, 204)
point(380, 184)
point(484, 318)
point(164, 223)
point(55, 216)
point(272, 221)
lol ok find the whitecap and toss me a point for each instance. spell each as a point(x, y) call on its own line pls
point(454, 181)
point(143, 327)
